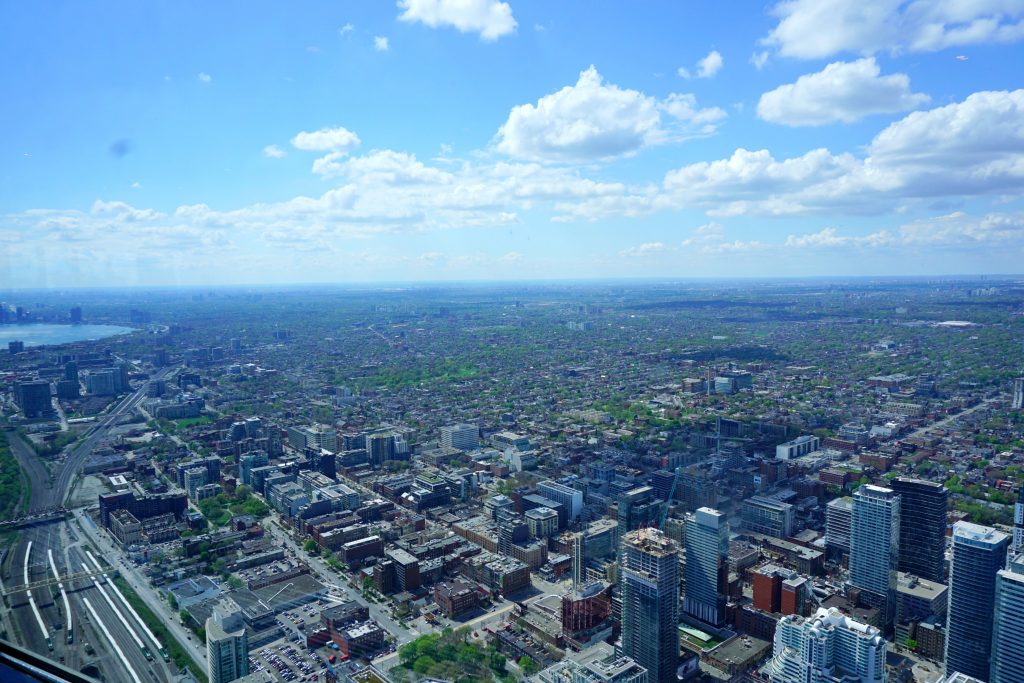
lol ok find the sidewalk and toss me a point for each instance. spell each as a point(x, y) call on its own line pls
point(146, 593)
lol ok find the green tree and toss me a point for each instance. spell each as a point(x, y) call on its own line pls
point(311, 547)
point(528, 665)
point(423, 664)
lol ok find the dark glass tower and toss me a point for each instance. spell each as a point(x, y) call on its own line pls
point(924, 508)
point(979, 552)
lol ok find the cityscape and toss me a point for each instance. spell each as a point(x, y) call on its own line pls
point(766, 481)
point(509, 341)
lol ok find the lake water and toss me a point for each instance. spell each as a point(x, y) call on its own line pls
point(38, 335)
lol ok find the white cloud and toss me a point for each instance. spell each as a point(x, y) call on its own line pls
point(382, 192)
point(490, 18)
point(842, 91)
point(707, 66)
point(326, 140)
point(965, 148)
point(346, 29)
point(956, 230)
point(381, 44)
point(646, 249)
point(814, 29)
point(970, 148)
point(704, 235)
point(136, 185)
point(684, 107)
point(381, 167)
point(594, 120)
point(273, 152)
point(204, 77)
point(759, 59)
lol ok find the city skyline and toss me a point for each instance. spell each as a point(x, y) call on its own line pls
point(545, 142)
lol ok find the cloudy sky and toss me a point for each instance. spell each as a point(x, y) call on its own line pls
point(248, 142)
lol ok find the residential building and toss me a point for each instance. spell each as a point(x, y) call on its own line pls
point(639, 507)
point(839, 524)
point(798, 447)
point(597, 664)
point(569, 498)
point(33, 398)
point(827, 648)
point(227, 651)
point(101, 383)
point(1008, 624)
point(465, 437)
point(542, 522)
point(769, 516)
point(316, 436)
point(924, 510)
point(455, 597)
point(917, 600)
point(874, 547)
point(194, 478)
point(979, 553)
point(706, 540)
point(649, 587)
point(1018, 520)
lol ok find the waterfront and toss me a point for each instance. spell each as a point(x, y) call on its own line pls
point(40, 334)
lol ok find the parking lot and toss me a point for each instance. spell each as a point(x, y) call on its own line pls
point(287, 661)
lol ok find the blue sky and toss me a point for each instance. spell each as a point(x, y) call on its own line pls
point(216, 143)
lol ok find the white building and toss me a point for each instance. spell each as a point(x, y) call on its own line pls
point(874, 546)
point(465, 437)
point(317, 436)
point(825, 648)
point(227, 652)
point(1008, 625)
point(571, 499)
point(798, 447)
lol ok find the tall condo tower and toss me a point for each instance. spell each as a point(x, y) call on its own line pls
point(979, 553)
point(649, 585)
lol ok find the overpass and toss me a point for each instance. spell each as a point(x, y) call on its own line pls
point(45, 516)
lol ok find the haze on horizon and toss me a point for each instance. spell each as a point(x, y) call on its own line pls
point(436, 141)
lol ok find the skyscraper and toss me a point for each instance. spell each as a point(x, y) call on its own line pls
point(76, 315)
point(838, 524)
point(579, 559)
point(227, 652)
point(1018, 520)
point(979, 552)
point(638, 508)
point(649, 586)
point(827, 647)
point(1008, 624)
point(874, 546)
point(707, 549)
point(924, 509)
point(1018, 394)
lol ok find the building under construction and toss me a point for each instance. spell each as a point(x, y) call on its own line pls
point(586, 614)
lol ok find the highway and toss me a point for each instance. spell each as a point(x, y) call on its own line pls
point(105, 624)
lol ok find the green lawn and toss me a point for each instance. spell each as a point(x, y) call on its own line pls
point(186, 422)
